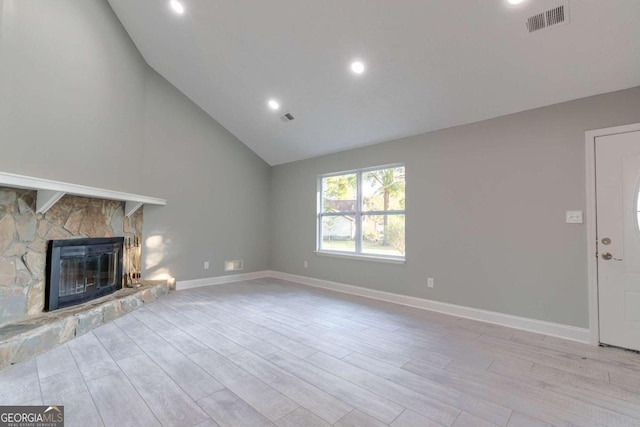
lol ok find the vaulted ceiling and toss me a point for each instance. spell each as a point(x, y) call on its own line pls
point(430, 64)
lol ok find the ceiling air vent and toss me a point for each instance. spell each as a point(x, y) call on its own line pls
point(536, 23)
point(286, 117)
point(557, 15)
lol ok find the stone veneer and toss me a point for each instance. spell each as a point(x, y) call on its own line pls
point(22, 340)
point(24, 236)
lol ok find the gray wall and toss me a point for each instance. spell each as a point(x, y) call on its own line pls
point(486, 207)
point(218, 190)
point(71, 94)
point(79, 104)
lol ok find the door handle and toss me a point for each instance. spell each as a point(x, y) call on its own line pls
point(607, 256)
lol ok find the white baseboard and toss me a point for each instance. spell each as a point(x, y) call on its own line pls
point(220, 280)
point(572, 333)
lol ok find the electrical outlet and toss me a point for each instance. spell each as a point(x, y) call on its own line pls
point(306, 264)
point(430, 282)
point(206, 265)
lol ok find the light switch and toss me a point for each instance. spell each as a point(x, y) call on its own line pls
point(574, 217)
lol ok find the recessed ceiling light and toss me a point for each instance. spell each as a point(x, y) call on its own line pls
point(273, 104)
point(177, 7)
point(357, 67)
point(514, 2)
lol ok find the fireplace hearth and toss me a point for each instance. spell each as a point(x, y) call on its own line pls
point(79, 270)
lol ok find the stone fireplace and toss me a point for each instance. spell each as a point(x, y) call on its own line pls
point(24, 237)
point(39, 214)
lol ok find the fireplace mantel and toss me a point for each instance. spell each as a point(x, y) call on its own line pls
point(49, 192)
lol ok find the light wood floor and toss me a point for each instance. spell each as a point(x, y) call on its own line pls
point(268, 352)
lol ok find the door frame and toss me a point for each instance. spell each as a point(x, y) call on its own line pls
point(592, 236)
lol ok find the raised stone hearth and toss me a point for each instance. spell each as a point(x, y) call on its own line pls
point(24, 236)
point(23, 340)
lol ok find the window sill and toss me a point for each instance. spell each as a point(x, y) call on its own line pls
point(360, 257)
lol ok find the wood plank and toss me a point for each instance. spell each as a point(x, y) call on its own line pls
point(207, 423)
point(68, 389)
point(395, 358)
point(268, 401)
point(284, 325)
point(358, 419)
point(301, 417)
point(62, 386)
point(610, 355)
point(521, 420)
point(549, 357)
point(245, 340)
point(410, 419)
point(594, 414)
point(464, 402)
point(324, 345)
point(630, 381)
point(173, 335)
point(116, 342)
point(188, 375)
point(495, 392)
point(228, 410)
point(119, 403)
point(424, 405)
point(55, 361)
point(567, 378)
point(590, 397)
point(19, 385)
point(91, 357)
point(170, 404)
point(358, 397)
point(278, 340)
point(311, 397)
point(467, 420)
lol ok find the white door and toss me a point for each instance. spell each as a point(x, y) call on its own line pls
point(618, 231)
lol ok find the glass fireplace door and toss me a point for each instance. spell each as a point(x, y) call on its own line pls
point(83, 269)
point(72, 280)
point(80, 274)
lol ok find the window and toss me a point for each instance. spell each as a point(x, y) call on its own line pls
point(362, 212)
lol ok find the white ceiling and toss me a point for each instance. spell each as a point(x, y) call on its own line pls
point(431, 64)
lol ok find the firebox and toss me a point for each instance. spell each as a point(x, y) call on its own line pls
point(79, 270)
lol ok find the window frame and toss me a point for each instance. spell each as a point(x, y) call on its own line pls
point(357, 214)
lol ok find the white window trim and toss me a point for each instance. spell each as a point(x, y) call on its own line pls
point(358, 219)
point(362, 257)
